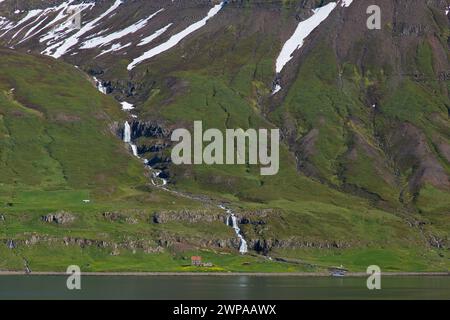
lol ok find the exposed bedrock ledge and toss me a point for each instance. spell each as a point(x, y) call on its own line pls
point(190, 216)
point(148, 246)
point(159, 160)
point(61, 218)
point(169, 240)
point(258, 217)
point(266, 245)
point(148, 129)
point(158, 147)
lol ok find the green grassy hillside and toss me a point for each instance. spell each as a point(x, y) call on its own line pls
point(54, 131)
point(364, 166)
point(349, 200)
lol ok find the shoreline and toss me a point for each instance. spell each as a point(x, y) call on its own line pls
point(221, 274)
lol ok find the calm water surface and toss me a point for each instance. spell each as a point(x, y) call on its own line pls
point(223, 287)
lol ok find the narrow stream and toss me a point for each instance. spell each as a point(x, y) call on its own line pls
point(232, 222)
point(161, 183)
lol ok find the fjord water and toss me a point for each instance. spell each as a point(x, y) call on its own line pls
point(223, 287)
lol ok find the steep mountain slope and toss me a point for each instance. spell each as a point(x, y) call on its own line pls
point(69, 188)
point(382, 126)
point(54, 130)
point(364, 171)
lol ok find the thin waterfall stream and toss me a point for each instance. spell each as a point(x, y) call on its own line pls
point(162, 183)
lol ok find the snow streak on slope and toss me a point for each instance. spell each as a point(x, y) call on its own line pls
point(4, 22)
point(103, 40)
point(29, 16)
point(175, 39)
point(115, 47)
point(61, 25)
point(61, 9)
point(303, 30)
point(155, 35)
point(25, 37)
point(64, 46)
point(346, 3)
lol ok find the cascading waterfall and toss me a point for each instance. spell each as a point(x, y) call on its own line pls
point(232, 222)
point(160, 182)
point(156, 173)
point(135, 150)
point(127, 133)
point(100, 86)
point(127, 139)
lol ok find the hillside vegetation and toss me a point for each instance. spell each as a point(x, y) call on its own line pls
point(364, 172)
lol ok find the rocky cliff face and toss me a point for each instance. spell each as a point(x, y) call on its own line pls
point(256, 227)
point(61, 218)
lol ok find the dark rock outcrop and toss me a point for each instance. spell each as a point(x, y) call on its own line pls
point(264, 246)
point(61, 218)
point(190, 216)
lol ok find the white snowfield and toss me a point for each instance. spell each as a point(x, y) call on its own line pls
point(59, 35)
point(115, 47)
point(55, 30)
point(155, 35)
point(103, 40)
point(61, 24)
point(65, 45)
point(21, 22)
point(29, 16)
point(175, 39)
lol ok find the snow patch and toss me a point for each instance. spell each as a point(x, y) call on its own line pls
point(64, 46)
point(62, 29)
point(175, 39)
point(127, 106)
point(31, 14)
point(303, 30)
point(276, 89)
point(114, 47)
point(103, 40)
point(155, 35)
point(61, 14)
point(346, 3)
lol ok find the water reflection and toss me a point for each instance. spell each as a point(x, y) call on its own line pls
point(222, 287)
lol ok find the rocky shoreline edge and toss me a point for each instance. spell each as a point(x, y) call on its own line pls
point(250, 274)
